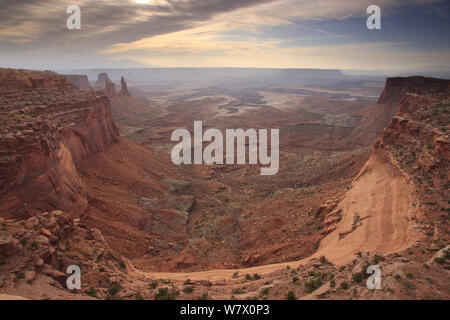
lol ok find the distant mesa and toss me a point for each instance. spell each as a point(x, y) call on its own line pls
point(79, 81)
point(104, 83)
point(396, 88)
point(103, 78)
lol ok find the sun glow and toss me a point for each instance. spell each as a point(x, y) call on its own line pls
point(144, 1)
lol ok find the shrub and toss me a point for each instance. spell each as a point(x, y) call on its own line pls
point(295, 279)
point(265, 291)
point(34, 245)
point(439, 260)
point(409, 275)
point(357, 277)
point(248, 277)
point(92, 292)
point(122, 264)
point(154, 284)
point(313, 284)
point(165, 294)
point(256, 276)
point(237, 291)
point(139, 296)
point(188, 289)
point(188, 281)
point(114, 289)
point(290, 296)
point(203, 296)
point(332, 283)
point(344, 285)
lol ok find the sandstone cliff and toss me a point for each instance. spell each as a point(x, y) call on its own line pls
point(60, 149)
point(396, 88)
point(399, 199)
point(47, 129)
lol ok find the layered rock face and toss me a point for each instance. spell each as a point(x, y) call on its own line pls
point(396, 88)
point(417, 142)
point(13, 79)
point(47, 128)
point(400, 197)
point(60, 150)
point(79, 81)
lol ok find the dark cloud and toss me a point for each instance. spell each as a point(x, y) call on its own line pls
point(105, 23)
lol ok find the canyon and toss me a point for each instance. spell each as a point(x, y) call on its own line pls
point(86, 178)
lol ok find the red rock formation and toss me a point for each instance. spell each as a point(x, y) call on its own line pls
point(103, 78)
point(124, 89)
point(79, 81)
point(13, 79)
point(396, 88)
point(46, 131)
point(110, 89)
point(60, 149)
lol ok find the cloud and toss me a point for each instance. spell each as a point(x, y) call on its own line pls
point(168, 29)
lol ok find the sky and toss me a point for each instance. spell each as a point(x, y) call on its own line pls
point(328, 34)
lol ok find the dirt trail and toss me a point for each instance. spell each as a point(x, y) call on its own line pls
point(376, 218)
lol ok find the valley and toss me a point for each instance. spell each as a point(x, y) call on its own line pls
point(86, 178)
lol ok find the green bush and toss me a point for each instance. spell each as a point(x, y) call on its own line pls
point(114, 289)
point(290, 296)
point(357, 277)
point(189, 289)
point(265, 291)
point(92, 293)
point(344, 285)
point(139, 296)
point(313, 284)
point(332, 283)
point(153, 285)
point(165, 294)
point(203, 297)
point(256, 276)
point(237, 291)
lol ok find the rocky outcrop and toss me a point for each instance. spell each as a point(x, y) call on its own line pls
point(124, 88)
point(403, 187)
point(46, 131)
point(103, 78)
point(60, 149)
point(40, 250)
point(417, 142)
point(110, 89)
point(396, 88)
point(79, 81)
point(13, 79)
